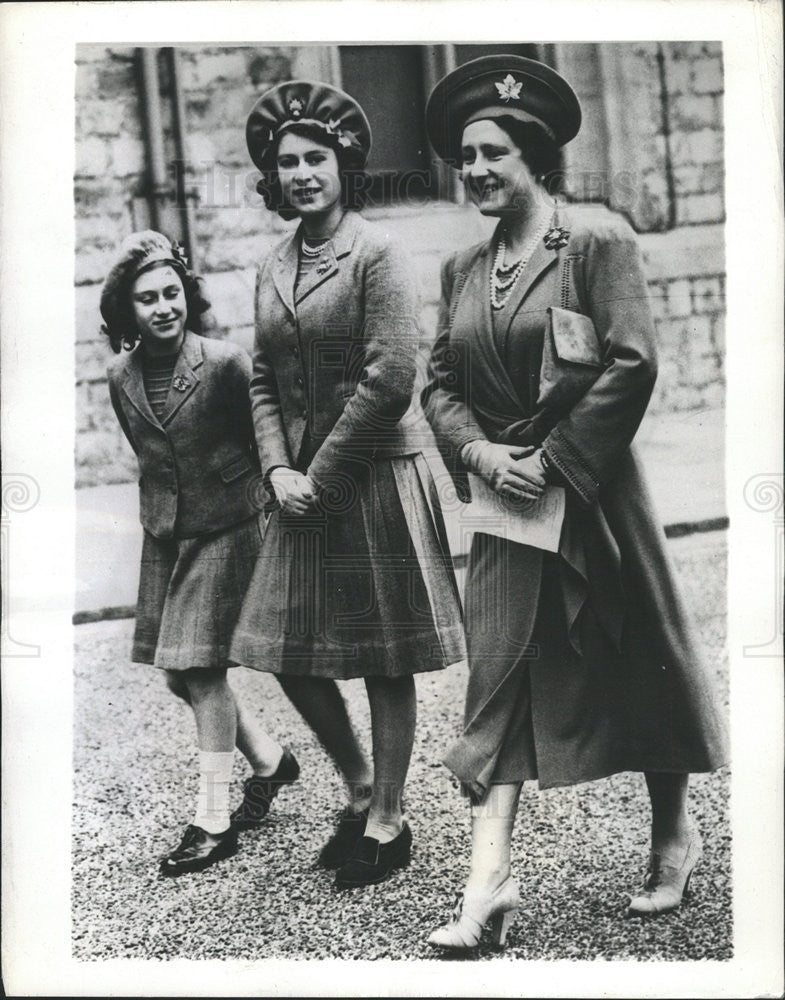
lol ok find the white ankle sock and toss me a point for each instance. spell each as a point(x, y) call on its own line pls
point(212, 802)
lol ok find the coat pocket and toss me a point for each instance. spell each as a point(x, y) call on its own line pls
point(571, 361)
point(234, 469)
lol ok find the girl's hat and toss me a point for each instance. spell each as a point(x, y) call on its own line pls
point(138, 252)
point(498, 86)
point(302, 102)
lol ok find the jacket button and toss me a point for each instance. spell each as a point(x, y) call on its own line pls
point(305, 414)
point(299, 380)
point(296, 351)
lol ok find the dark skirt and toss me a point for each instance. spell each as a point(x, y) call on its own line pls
point(568, 706)
point(190, 594)
point(363, 586)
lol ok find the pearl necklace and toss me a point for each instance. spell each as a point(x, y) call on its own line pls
point(503, 277)
point(313, 251)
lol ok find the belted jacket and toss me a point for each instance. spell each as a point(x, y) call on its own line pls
point(335, 355)
point(198, 464)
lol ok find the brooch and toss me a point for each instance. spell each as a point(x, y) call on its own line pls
point(181, 383)
point(556, 238)
point(322, 266)
point(296, 107)
point(508, 89)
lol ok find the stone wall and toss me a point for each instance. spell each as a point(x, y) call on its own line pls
point(652, 136)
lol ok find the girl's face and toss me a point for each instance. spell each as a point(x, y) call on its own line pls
point(494, 175)
point(309, 175)
point(159, 305)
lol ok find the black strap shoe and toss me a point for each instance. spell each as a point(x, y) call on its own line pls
point(373, 862)
point(259, 792)
point(340, 847)
point(198, 850)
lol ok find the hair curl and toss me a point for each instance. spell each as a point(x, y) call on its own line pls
point(355, 183)
point(541, 154)
point(121, 327)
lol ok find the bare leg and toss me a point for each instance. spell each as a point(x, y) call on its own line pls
point(492, 824)
point(260, 750)
point(670, 821)
point(321, 705)
point(393, 704)
point(214, 709)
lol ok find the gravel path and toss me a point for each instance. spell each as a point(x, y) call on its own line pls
point(577, 851)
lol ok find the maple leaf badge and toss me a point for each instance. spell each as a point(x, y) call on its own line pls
point(295, 107)
point(508, 89)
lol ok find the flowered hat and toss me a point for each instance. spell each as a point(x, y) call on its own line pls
point(497, 86)
point(305, 102)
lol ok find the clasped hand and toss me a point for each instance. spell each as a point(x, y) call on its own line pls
point(294, 491)
point(510, 470)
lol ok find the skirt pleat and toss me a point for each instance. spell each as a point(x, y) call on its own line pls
point(360, 587)
point(191, 591)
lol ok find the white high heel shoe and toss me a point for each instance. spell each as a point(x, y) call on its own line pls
point(473, 913)
point(666, 884)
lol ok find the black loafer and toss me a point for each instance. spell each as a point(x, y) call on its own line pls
point(340, 847)
point(259, 792)
point(197, 850)
point(373, 862)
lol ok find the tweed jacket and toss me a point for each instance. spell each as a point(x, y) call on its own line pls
point(336, 358)
point(198, 464)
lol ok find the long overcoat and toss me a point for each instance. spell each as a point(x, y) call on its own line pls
point(616, 679)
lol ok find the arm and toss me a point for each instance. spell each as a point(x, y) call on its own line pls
point(384, 388)
point(587, 444)
point(119, 413)
point(236, 377)
point(265, 402)
point(447, 396)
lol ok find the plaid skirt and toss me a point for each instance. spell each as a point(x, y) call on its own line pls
point(362, 587)
point(190, 594)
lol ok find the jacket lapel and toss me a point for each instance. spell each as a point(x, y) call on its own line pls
point(133, 385)
point(541, 260)
point(339, 246)
point(285, 270)
point(185, 378)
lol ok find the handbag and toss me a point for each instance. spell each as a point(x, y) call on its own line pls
point(571, 357)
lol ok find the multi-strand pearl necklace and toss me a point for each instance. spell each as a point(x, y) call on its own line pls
point(503, 278)
point(314, 251)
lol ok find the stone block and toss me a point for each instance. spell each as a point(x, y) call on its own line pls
point(208, 69)
point(87, 315)
point(679, 298)
point(718, 333)
point(690, 113)
point(92, 264)
point(696, 208)
point(703, 146)
point(658, 300)
point(707, 77)
point(126, 156)
point(92, 357)
point(92, 157)
point(117, 77)
point(678, 67)
point(708, 295)
point(97, 117)
point(688, 178)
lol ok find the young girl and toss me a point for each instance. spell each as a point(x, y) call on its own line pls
point(183, 404)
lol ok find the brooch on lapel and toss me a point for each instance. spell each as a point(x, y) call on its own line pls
point(181, 383)
point(322, 266)
point(556, 238)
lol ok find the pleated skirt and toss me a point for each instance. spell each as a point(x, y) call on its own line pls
point(191, 591)
point(363, 586)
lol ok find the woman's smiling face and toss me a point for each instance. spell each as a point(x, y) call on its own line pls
point(159, 305)
point(494, 174)
point(309, 175)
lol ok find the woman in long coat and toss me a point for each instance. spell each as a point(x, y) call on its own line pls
point(354, 578)
point(583, 662)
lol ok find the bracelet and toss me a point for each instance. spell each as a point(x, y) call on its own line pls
point(545, 462)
